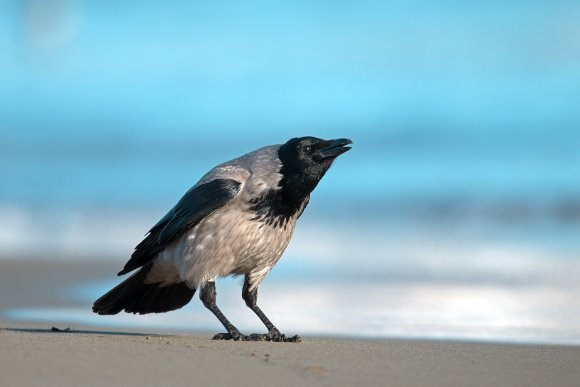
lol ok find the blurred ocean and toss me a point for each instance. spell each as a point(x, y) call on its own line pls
point(456, 214)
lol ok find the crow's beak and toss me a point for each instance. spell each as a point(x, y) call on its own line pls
point(333, 148)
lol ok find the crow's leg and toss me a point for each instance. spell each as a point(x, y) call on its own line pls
point(208, 297)
point(251, 298)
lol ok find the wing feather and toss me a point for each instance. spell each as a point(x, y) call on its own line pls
point(199, 202)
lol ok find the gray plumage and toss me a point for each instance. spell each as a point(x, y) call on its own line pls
point(237, 220)
point(227, 241)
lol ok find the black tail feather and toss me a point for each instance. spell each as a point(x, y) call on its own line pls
point(135, 296)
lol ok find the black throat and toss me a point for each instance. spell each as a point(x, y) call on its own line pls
point(277, 206)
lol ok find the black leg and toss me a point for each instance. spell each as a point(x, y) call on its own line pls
point(208, 297)
point(251, 299)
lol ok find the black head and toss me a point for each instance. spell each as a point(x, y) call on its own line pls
point(304, 161)
point(310, 155)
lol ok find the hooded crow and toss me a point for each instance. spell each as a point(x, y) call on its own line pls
point(237, 220)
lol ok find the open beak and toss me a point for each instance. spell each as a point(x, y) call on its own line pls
point(333, 148)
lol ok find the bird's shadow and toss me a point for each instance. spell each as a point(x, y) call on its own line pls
point(54, 330)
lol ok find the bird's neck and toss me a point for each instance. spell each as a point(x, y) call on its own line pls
point(279, 205)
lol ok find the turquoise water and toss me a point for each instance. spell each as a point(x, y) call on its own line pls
point(474, 104)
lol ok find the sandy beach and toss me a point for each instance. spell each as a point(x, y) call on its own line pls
point(40, 357)
point(31, 354)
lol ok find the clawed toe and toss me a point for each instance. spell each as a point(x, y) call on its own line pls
point(229, 336)
point(259, 337)
point(293, 339)
point(273, 336)
point(222, 336)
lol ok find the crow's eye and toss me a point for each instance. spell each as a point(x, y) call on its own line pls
point(307, 149)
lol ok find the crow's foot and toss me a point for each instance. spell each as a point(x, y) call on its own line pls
point(293, 339)
point(258, 337)
point(237, 336)
point(273, 337)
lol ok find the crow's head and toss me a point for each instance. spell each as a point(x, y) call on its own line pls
point(310, 155)
point(304, 160)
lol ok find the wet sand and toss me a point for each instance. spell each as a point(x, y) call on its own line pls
point(33, 355)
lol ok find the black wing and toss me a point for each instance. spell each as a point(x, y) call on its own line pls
point(195, 205)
